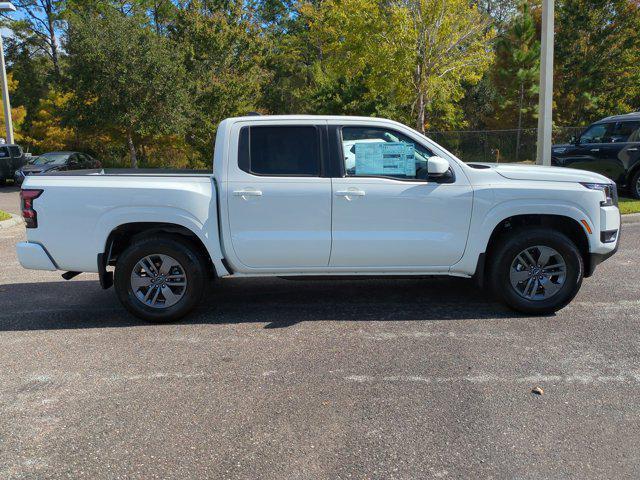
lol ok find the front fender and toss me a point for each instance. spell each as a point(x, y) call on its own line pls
point(483, 227)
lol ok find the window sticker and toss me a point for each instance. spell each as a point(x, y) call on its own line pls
point(385, 158)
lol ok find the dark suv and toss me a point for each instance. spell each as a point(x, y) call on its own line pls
point(610, 146)
point(11, 158)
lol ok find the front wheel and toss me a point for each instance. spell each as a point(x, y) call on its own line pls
point(161, 278)
point(536, 271)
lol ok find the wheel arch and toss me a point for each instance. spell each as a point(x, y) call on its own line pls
point(121, 236)
point(567, 225)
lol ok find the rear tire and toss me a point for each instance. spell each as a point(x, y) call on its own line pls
point(536, 270)
point(3, 182)
point(635, 185)
point(160, 278)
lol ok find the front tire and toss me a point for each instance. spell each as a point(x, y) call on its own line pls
point(160, 278)
point(536, 270)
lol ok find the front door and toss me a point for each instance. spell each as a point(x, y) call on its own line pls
point(387, 212)
point(279, 203)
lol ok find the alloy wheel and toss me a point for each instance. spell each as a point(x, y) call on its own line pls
point(158, 281)
point(538, 273)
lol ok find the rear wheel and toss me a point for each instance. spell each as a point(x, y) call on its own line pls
point(3, 182)
point(536, 271)
point(635, 185)
point(160, 279)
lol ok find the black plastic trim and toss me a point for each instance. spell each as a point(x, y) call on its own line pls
point(106, 278)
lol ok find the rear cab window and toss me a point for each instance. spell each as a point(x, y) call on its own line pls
point(280, 150)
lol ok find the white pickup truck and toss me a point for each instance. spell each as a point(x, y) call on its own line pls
point(321, 195)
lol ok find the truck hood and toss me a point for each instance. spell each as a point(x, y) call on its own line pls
point(547, 174)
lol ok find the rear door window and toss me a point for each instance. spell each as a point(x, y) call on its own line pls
point(625, 132)
point(280, 151)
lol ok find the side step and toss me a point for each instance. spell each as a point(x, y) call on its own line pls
point(70, 275)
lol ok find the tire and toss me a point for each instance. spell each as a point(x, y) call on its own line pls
point(3, 182)
point(517, 281)
point(169, 300)
point(635, 185)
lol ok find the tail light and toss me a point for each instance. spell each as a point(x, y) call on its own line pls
point(28, 213)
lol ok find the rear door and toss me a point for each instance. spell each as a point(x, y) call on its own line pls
point(621, 151)
point(278, 197)
point(387, 212)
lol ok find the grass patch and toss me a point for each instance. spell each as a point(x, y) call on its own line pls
point(629, 205)
point(4, 216)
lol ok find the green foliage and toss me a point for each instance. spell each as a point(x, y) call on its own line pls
point(126, 79)
point(149, 80)
point(416, 54)
point(4, 216)
point(597, 59)
point(516, 73)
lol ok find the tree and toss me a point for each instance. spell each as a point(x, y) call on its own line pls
point(39, 25)
point(516, 74)
point(416, 53)
point(125, 78)
point(224, 55)
point(597, 70)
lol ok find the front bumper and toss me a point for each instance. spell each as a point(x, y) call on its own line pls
point(610, 222)
point(33, 256)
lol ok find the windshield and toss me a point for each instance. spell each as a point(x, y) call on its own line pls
point(51, 159)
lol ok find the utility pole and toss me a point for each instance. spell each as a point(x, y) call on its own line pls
point(6, 7)
point(545, 106)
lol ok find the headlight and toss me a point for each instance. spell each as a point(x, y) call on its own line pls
point(610, 192)
point(559, 150)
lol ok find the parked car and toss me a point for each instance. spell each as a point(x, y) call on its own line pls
point(11, 157)
point(610, 146)
point(281, 202)
point(56, 161)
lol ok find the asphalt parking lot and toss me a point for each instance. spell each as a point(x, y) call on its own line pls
point(9, 199)
point(276, 379)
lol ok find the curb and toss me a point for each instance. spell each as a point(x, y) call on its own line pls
point(631, 218)
point(12, 222)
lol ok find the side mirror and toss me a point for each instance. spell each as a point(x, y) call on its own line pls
point(573, 140)
point(437, 167)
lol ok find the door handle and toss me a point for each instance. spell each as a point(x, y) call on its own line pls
point(632, 149)
point(247, 193)
point(595, 149)
point(350, 193)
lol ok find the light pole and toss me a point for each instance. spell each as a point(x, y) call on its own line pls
point(6, 7)
point(545, 106)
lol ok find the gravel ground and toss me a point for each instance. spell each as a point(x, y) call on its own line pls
point(277, 379)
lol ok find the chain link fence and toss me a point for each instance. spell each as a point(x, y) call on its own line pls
point(502, 146)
